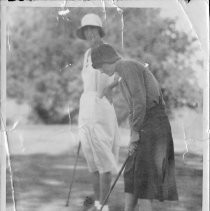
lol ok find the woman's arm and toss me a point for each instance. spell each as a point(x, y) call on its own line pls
point(114, 83)
point(115, 79)
point(107, 91)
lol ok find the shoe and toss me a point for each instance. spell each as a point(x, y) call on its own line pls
point(88, 204)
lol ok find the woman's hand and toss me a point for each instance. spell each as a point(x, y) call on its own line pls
point(132, 147)
point(107, 92)
point(117, 77)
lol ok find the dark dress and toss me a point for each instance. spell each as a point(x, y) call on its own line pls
point(149, 173)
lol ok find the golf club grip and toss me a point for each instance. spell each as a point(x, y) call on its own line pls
point(112, 187)
point(75, 164)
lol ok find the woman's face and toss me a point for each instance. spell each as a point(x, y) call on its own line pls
point(91, 34)
point(108, 69)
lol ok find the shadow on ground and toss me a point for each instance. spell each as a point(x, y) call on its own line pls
point(41, 182)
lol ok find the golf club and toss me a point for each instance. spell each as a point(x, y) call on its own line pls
point(112, 187)
point(73, 176)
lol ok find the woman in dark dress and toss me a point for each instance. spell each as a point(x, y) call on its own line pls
point(150, 171)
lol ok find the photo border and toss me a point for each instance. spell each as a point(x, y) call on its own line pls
point(121, 4)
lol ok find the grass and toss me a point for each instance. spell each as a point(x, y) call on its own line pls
point(42, 159)
point(41, 182)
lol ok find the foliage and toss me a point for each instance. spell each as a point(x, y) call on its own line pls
point(45, 59)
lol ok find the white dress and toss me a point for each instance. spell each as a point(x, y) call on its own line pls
point(98, 127)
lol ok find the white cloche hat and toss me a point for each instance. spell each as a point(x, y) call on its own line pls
point(90, 20)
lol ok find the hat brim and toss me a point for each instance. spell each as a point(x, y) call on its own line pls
point(80, 31)
point(100, 64)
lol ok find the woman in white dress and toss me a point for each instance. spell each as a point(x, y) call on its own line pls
point(98, 127)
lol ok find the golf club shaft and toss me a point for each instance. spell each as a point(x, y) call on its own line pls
point(72, 181)
point(112, 187)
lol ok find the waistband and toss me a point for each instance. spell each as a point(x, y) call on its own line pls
point(157, 109)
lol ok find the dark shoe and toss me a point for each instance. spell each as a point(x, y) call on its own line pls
point(88, 204)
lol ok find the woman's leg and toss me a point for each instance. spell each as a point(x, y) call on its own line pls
point(130, 202)
point(105, 184)
point(96, 184)
point(145, 205)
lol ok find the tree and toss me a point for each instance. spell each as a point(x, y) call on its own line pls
point(169, 53)
point(46, 57)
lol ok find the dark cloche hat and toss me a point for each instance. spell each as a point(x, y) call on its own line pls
point(103, 54)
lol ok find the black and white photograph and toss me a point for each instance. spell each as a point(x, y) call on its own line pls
point(103, 106)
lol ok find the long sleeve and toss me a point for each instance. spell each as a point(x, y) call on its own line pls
point(134, 79)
